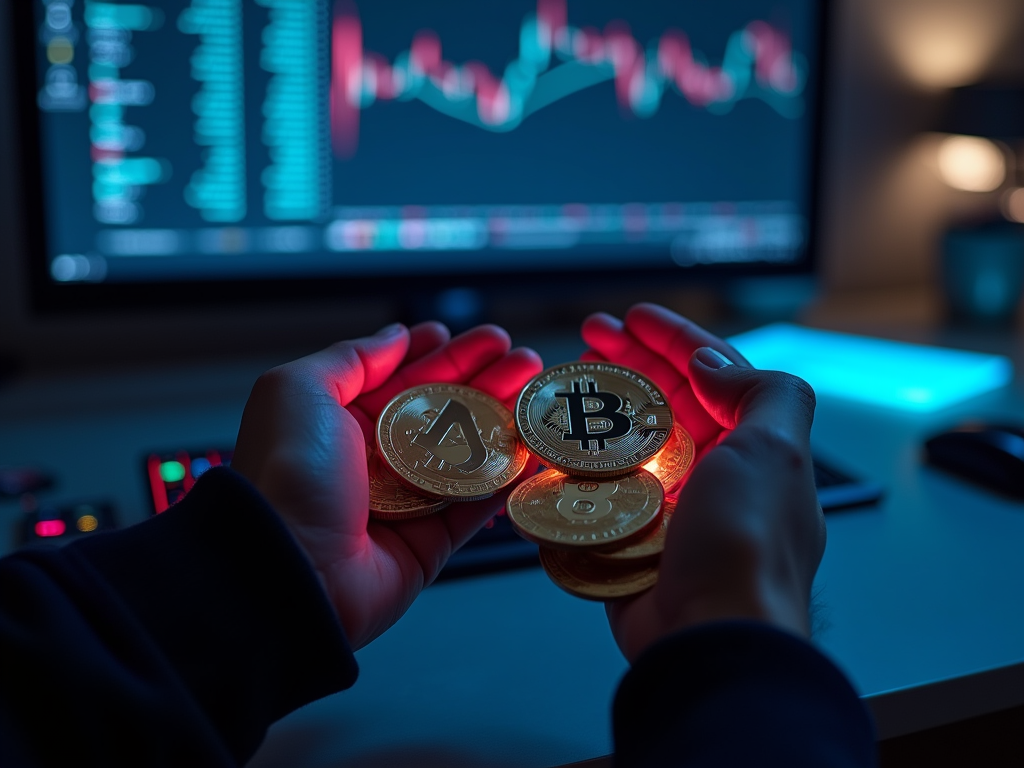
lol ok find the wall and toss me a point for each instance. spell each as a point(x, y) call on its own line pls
point(885, 205)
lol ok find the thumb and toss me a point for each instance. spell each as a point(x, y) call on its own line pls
point(349, 368)
point(736, 395)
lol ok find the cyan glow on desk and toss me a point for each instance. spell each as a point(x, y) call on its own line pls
point(907, 376)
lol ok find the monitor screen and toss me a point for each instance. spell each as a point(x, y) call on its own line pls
point(198, 141)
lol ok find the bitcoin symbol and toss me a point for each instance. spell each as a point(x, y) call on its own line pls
point(586, 501)
point(607, 420)
point(454, 438)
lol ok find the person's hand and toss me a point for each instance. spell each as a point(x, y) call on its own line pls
point(747, 534)
point(302, 443)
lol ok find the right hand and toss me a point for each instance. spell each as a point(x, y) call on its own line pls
point(748, 533)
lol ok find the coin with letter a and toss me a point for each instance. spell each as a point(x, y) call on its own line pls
point(451, 442)
point(579, 574)
point(593, 419)
point(390, 499)
point(556, 510)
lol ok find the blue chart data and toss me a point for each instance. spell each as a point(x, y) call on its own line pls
point(274, 137)
point(217, 188)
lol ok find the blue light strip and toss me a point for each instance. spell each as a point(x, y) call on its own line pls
point(909, 377)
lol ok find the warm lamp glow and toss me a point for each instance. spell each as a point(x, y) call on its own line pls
point(1013, 205)
point(939, 57)
point(971, 163)
point(945, 43)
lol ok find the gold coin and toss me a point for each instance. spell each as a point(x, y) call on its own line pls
point(651, 545)
point(450, 441)
point(593, 419)
point(580, 575)
point(674, 460)
point(564, 512)
point(390, 500)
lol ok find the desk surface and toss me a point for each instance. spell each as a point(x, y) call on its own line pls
point(920, 596)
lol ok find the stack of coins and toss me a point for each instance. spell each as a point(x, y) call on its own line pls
point(600, 512)
point(438, 444)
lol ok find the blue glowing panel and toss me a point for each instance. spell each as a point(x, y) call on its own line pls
point(906, 376)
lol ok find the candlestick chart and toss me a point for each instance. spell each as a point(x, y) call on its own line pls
point(556, 60)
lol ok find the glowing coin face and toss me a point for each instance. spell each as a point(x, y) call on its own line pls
point(593, 419)
point(555, 510)
point(451, 442)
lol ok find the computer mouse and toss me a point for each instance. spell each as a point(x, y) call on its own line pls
point(989, 454)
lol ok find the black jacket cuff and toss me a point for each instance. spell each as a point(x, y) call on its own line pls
point(221, 586)
point(739, 694)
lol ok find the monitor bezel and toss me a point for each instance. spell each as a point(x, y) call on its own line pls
point(49, 297)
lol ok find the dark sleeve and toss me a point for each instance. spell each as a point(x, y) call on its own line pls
point(174, 642)
point(739, 694)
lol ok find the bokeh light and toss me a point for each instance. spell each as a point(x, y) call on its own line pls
point(971, 163)
point(172, 471)
point(50, 528)
point(942, 44)
point(87, 523)
point(60, 51)
point(1013, 204)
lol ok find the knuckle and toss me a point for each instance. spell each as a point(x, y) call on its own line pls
point(797, 388)
point(341, 347)
point(803, 391)
point(273, 380)
point(779, 444)
point(284, 380)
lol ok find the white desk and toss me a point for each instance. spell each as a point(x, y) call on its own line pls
point(923, 595)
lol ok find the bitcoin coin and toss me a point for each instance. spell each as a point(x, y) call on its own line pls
point(450, 441)
point(593, 419)
point(390, 500)
point(674, 460)
point(650, 546)
point(555, 510)
point(580, 575)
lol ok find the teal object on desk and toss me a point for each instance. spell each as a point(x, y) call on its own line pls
point(910, 377)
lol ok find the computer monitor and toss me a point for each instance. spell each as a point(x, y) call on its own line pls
point(204, 150)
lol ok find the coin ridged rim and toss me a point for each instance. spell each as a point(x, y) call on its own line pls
point(427, 507)
point(417, 504)
point(412, 514)
point(688, 450)
point(647, 548)
point(575, 573)
point(536, 531)
point(427, 487)
point(549, 457)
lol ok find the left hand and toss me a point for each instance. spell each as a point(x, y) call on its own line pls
point(302, 443)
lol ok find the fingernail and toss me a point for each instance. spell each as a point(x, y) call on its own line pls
point(712, 358)
point(391, 330)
